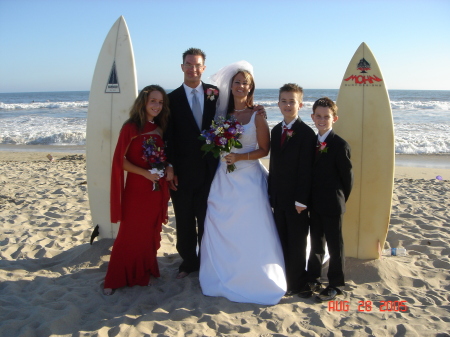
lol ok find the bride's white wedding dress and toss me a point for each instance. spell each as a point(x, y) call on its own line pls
point(241, 256)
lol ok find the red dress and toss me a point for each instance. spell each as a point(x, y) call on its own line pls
point(140, 210)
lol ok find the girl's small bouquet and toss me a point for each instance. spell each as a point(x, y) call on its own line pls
point(156, 157)
point(221, 137)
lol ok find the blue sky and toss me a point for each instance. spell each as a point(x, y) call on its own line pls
point(49, 45)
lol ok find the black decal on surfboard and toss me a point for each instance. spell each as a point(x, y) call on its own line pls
point(363, 65)
point(113, 81)
point(366, 80)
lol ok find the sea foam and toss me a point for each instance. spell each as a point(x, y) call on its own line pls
point(421, 117)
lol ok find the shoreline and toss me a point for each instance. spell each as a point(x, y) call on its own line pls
point(438, 160)
point(406, 166)
point(81, 149)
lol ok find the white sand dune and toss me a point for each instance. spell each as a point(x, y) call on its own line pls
point(51, 277)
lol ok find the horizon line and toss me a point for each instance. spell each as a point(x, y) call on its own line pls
point(25, 92)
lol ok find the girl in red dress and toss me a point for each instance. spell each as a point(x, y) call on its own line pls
point(141, 203)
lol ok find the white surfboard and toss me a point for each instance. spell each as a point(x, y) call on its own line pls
point(113, 91)
point(365, 122)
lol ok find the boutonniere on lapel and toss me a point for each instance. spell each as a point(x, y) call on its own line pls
point(211, 94)
point(322, 147)
point(289, 134)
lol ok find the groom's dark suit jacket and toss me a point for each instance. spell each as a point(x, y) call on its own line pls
point(332, 177)
point(195, 172)
point(183, 145)
point(291, 165)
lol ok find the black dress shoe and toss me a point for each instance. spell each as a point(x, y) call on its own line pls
point(182, 274)
point(291, 292)
point(328, 294)
point(309, 288)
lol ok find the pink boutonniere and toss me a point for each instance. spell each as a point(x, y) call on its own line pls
point(322, 147)
point(211, 94)
point(289, 134)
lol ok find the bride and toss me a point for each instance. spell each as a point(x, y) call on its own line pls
point(241, 256)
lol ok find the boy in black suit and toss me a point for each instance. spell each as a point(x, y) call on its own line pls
point(332, 181)
point(291, 160)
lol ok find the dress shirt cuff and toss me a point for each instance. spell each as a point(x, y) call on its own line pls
point(300, 205)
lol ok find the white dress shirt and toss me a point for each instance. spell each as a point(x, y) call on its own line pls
point(324, 136)
point(288, 125)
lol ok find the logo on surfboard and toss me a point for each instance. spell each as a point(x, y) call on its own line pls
point(363, 66)
point(113, 81)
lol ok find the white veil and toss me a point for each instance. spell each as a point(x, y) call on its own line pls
point(222, 79)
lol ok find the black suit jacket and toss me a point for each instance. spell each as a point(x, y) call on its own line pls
point(291, 165)
point(332, 178)
point(183, 146)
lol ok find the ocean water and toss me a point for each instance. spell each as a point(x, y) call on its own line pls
point(421, 117)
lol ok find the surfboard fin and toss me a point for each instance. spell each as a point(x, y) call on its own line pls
point(94, 234)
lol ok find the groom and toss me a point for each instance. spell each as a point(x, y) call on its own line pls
point(190, 113)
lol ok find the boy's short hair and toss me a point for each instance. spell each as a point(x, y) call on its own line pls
point(292, 87)
point(327, 103)
point(195, 52)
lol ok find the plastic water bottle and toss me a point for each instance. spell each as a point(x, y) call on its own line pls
point(395, 251)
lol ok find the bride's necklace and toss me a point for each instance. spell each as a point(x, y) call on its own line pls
point(240, 110)
point(153, 122)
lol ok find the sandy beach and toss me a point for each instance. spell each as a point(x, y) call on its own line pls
point(51, 278)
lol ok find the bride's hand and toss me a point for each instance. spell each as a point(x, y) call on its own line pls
point(231, 158)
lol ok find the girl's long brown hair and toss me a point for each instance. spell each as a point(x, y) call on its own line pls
point(138, 112)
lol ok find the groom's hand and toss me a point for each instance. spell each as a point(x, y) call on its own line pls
point(299, 209)
point(173, 183)
point(260, 110)
point(169, 173)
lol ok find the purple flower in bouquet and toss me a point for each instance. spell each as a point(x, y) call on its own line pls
point(232, 130)
point(221, 141)
point(208, 136)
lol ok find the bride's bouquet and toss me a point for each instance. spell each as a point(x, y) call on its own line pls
point(221, 137)
point(156, 157)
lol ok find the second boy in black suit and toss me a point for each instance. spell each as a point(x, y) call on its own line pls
point(332, 181)
point(291, 160)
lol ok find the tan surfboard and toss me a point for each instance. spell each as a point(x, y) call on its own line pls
point(365, 122)
point(113, 91)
